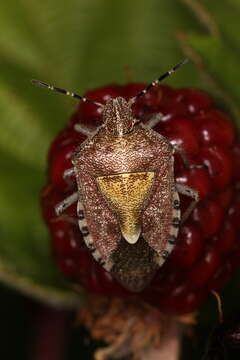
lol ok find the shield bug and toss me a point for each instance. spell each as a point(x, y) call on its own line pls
point(128, 204)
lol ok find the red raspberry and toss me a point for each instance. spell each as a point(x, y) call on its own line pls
point(208, 249)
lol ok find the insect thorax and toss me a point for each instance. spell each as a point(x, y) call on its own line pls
point(118, 117)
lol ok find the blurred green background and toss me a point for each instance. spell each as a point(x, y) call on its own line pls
point(79, 45)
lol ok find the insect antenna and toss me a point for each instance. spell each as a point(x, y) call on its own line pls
point(157, 81)
point(63, 91)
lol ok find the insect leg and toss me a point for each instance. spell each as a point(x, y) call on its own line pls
point(187, 191)
point(67, 176)
point(68, 173)
point(63, 205)
point(66, 218)
point(83, 129)
point(154, 119)
point(185, 160)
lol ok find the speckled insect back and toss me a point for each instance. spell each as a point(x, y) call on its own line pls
point(128, 204)
point(119, 178)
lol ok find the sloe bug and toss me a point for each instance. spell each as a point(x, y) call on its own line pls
point(128, 204)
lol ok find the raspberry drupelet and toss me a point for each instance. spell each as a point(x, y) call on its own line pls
point(207, 250)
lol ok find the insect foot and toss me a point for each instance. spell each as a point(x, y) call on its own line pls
point(146, 223)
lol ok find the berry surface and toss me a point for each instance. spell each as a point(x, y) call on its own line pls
point(208, 246)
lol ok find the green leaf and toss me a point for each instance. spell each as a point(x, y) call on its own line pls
point(225, 78)
point(226, 16)
point(217, 53)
